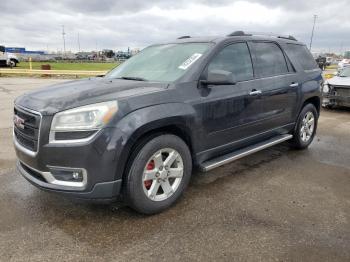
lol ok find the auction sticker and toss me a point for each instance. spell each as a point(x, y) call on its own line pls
point(193, 58)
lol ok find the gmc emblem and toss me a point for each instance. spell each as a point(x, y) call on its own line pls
point(19, 122)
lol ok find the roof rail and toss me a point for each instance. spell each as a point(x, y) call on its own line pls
point(239, 33)
point(185, 36)
point(242, 33)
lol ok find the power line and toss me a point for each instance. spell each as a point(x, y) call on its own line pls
point(312, 32)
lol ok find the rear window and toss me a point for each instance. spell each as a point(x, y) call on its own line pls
point(270, 60)
point(301, 54)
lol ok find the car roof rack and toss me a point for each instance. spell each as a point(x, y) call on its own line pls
point(242, 33)
point(239, 33)
point(184, 37)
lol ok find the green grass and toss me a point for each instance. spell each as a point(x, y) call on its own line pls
point(70, 66)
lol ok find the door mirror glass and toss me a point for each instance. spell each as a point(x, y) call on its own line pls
point(219, 77)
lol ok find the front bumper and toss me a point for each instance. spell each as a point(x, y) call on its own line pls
point(96, 160)
point(107, 191)
point(333, 100)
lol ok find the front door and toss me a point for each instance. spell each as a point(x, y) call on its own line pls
point(228, 112)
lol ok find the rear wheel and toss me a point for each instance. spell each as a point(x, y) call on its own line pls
point(305, 128)
point(159, 174)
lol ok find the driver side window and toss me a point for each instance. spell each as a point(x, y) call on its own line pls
point(236, 59)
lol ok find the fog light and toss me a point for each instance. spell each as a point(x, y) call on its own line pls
point(76, 175)
point(67, 175)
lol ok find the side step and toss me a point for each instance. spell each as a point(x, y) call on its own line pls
point(225, 159)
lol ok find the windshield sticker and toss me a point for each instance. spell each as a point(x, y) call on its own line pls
point(193, 58)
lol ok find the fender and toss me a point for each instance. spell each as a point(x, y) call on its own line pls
point(139, 122)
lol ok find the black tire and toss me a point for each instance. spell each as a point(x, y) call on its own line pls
point(13, 63)
point(135, 195)
point(297, 141)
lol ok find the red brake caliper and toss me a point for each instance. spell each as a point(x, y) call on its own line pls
point(150, 166)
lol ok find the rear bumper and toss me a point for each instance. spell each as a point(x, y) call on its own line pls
point(105, 191)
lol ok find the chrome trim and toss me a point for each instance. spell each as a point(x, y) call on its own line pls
point(51, 181)
point(255, 92)
point(216, 162)
point(22, 148)
point(72, 141)
point(17, 144)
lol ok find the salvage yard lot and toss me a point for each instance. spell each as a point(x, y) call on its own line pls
point(277, 205)
point(93, 66)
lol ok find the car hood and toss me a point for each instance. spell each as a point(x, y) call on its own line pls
point(339, 81)
point(62, 96)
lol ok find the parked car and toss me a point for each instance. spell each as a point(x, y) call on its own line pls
point(336, 90)
point(137, 133)
point(7, 59)
point(344, 63)
point(322, 62)
point(329, 60)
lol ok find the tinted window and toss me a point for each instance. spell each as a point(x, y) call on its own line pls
point(270, 60)
point(2, 49)
point(301, 54)
point(234, 58)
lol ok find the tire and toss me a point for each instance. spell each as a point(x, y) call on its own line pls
point(303, 134)
point(151, 158)
point(13, 63)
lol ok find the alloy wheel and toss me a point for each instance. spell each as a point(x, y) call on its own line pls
point(162, 174)
point(307, 127)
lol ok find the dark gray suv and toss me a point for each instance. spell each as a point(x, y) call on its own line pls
point(136, 133)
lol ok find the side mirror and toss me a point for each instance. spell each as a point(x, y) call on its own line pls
point(219, 77)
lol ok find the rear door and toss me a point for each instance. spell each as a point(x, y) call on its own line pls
point(278, 83)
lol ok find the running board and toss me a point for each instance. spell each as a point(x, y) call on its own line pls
point(225, 159)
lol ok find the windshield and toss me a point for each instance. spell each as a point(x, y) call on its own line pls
point(345, 72)
point(160, 63)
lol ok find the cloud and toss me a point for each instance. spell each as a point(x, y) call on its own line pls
point(118, 24)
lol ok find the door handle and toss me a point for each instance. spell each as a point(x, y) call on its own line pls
point(294, 84)
point(255, 92)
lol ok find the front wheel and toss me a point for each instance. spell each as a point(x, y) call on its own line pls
point(159, 173)
point(305, 128)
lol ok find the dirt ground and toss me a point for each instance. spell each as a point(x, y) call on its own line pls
point(277, 205)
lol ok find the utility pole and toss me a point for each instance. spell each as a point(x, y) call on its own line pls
point(64, 41)
point(313, 29)
point(78, 42)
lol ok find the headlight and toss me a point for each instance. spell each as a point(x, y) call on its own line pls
point(325, 88)
point(85, 118)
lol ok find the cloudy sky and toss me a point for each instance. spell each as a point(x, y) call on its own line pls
point(118, 24)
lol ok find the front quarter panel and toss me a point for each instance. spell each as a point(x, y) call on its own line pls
point(144, 120)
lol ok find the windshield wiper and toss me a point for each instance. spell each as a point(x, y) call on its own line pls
point(132, 78)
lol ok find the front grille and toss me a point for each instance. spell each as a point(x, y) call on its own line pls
point(342, 91)
point(27, 131)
